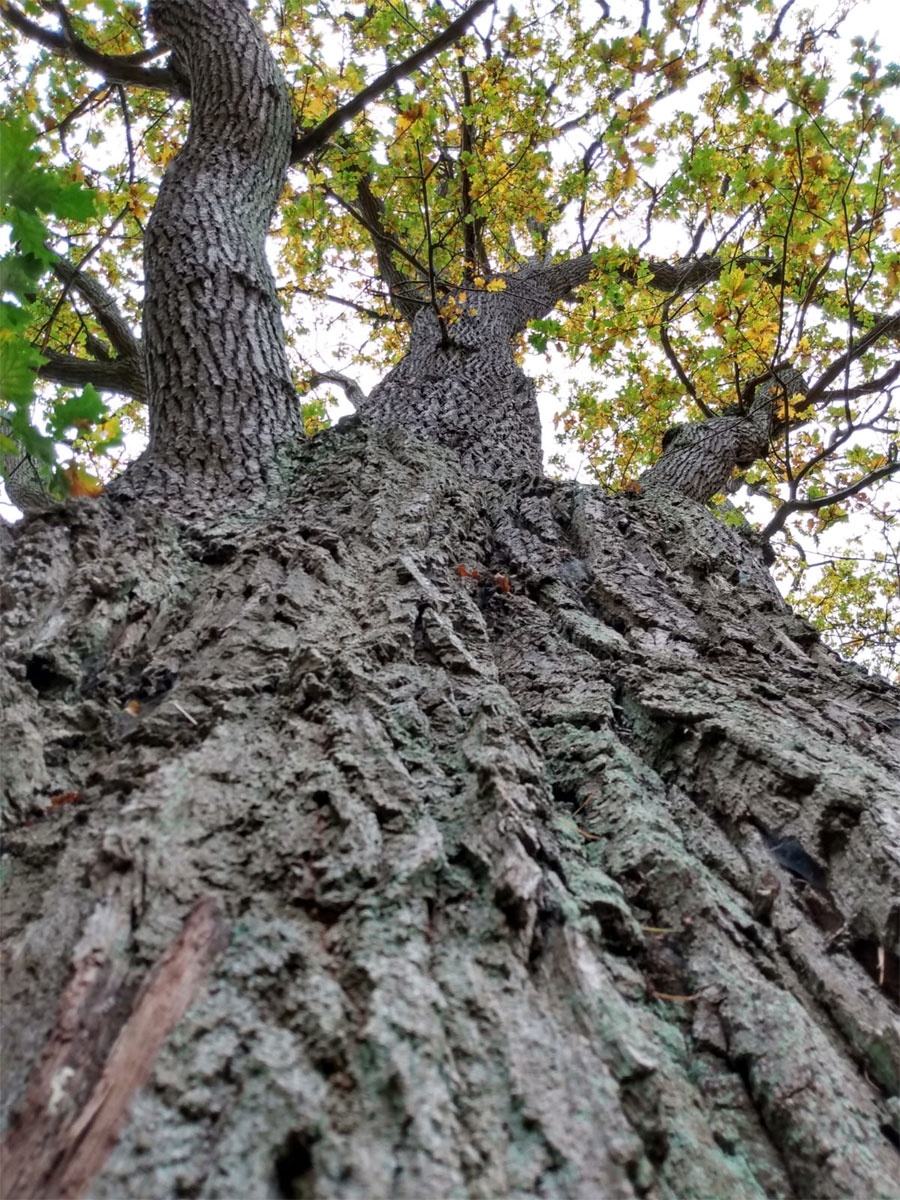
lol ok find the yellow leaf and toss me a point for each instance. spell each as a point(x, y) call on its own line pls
point(80, 483)
point(409, 116)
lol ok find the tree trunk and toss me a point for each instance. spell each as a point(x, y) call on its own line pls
point(507, 877)
point(222, 402)
point(424, 828)
point(460, 386)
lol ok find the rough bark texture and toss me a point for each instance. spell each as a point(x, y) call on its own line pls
point(460, 387)
point(700, 457)
point(507, 872)
point(558, 858)
point(222, 403)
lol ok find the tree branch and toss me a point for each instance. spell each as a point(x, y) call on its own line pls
point(116, 68)
point(865, 389)
point(792, 506)
point(352, 390)
point(445, 342)
point(372, 313)
point(673, 358)
point(369, 214)
point(474, 256)
point(886, 326)
point(314, 139)
point(102, 305)
point(124, 376)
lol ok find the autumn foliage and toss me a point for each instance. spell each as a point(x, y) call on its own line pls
point(748, 138)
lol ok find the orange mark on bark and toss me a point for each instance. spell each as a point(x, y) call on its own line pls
point(61, 799)
point(58, 1145)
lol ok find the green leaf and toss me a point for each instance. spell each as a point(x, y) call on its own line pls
point(87, 406)
point(19, 361)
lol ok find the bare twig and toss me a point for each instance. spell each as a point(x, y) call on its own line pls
point(673, 359)
point(792, 506)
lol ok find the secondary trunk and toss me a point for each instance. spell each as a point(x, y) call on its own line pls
point(700, 457)
point(460, 386)
point(222, 402)
point(575, 879)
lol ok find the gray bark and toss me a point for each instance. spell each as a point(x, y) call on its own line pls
point(406, 833)
point(699, 458)
point(460, 387)
point(222, 402)
point(465, 841)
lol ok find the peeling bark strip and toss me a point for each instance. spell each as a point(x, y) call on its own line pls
point(222, 401)
point(56, 1147)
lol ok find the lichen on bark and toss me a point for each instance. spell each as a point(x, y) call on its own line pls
point(467, 840)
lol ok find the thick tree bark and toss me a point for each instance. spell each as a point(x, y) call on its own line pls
point(512, 900)
point(222, 402)
point(460, 387)
point(407, 833)
point(700, 457)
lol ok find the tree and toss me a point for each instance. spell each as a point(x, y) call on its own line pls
point(388, 819)
point(772, 182)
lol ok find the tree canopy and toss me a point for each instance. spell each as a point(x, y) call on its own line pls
point(728, 175)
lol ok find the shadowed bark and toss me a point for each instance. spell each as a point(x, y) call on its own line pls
point(577, 888)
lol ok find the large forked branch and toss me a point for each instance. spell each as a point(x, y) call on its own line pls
point(314, 139)
point(116, 68)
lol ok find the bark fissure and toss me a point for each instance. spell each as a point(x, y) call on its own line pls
point(495, 785)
